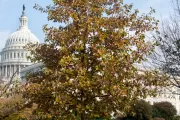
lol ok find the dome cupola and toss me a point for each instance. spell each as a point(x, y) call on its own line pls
point(23, 20)
point(14, 51)
point(23, 35)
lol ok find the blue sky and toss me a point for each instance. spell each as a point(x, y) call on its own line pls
point(10, 11)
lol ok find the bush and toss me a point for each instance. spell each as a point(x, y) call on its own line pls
point(176, 117)
point(143, 110)
point(155, 112)
point(164, 110)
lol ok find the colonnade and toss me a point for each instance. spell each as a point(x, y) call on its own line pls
point(14, 55)
point(9, 70)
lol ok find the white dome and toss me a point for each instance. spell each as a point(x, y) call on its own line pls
point(21, 38)
point(23, 35)
point(13, 55)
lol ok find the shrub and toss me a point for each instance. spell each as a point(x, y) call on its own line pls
point(155, 112)
point(176, 117)
point(164, 110)
point(143, 110)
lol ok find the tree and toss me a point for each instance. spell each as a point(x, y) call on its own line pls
point(143, 110)
point(167, 56)
point(11, 101)
point(166, 110)
point(90, 60)
point(15, 107)
point(8, 85)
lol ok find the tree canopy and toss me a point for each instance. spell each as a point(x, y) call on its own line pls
point(166, 57)
point(90, 59)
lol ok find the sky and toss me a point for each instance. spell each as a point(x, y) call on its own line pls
point(10, 11)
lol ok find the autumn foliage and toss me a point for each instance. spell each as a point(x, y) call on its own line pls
point(90, 59)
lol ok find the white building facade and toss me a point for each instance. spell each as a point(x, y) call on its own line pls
point(14, 55)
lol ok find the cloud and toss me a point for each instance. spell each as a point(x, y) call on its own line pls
point(3, 37)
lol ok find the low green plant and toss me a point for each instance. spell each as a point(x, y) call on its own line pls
point(177, 117)
point(164, 110)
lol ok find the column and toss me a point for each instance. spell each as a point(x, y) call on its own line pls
point(14, 68)
point(19, 70)
point(1, 70)
point(12, 55)
point(10, 71)
point(6, 71)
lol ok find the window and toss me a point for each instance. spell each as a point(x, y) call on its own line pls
point(10, 55)
point(22, 56)
point(5, 56)
point(14, 55)
point(18, 55)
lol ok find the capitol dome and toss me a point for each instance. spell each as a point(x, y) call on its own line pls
point(14, 55)
point(21, 38)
